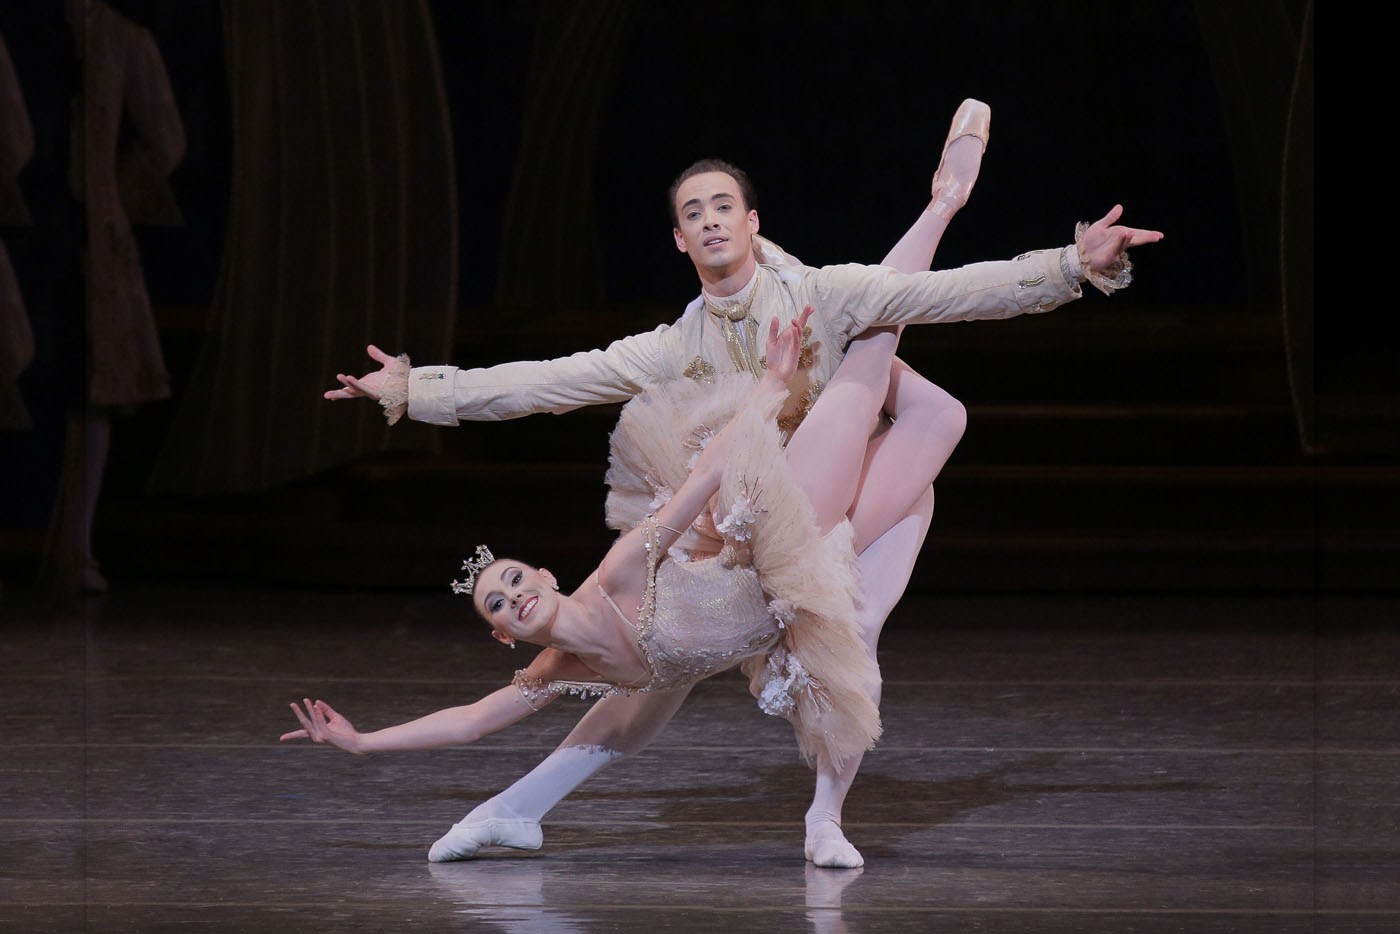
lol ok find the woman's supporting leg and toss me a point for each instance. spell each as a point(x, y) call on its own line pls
point(612, 728)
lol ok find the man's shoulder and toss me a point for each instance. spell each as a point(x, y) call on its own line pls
point(857, 268)
point(693, 313)
point(790, 273)
point(838, 274)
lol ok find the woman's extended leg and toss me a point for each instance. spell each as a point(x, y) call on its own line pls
point(902, 463)
point(875, 482)
point(827, 453)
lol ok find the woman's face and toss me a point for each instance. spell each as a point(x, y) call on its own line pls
point(519, 601)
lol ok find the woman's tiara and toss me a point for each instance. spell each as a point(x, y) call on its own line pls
point(473, 567)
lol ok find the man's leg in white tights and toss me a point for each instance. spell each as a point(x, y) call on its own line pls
point(613, 727)
point(886, 566)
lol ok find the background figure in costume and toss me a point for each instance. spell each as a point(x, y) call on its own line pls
point(729, 257)
point(16, 336)
point(127, 137)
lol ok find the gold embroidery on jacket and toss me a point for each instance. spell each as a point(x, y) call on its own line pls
point(699, 370)
point(787, 424)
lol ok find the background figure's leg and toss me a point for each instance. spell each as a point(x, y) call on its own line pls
point(68, 568)
point(886, 566)
point(98, 438)
point(612, 728)
point(903, 462)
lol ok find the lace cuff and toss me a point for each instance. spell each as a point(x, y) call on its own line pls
point(1117, 276)
point(1070, 267)
point(394, 398)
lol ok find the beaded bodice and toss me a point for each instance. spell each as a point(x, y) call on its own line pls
point(706, 618)
point(697, 618)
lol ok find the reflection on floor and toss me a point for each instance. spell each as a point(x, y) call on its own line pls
point(1086, 763)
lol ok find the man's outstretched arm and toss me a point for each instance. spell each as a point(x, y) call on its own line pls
point(861, 297)
point(447, 395)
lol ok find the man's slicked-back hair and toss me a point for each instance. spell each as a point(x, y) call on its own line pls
point(713, 165)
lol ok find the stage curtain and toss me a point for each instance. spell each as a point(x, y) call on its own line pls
point(342, 231)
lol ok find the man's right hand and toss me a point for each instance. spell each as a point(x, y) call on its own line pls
point(371, 385)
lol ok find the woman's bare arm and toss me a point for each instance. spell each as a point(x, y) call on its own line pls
point(453, 726)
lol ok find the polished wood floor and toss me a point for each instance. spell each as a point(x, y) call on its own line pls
point(1132, 763)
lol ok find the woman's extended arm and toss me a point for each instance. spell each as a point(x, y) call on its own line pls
point(454, 726)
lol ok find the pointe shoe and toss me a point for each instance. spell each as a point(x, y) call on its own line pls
point(467, 837)
point(952, 187)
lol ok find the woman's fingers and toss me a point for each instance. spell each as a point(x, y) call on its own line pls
point(308, 729)
point(316, 724)
point(315, 717)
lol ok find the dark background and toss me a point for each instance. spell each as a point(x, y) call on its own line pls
point(1180, 111)
point(837, 110)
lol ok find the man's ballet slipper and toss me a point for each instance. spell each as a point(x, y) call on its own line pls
point(829, 848)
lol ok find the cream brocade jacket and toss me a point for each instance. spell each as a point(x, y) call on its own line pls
point(848, 299)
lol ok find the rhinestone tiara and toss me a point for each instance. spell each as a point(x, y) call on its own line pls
point(472, 567)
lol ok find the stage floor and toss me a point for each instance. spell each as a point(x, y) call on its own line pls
point(1050, 763)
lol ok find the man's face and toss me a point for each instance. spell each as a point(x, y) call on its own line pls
point(716, 227)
